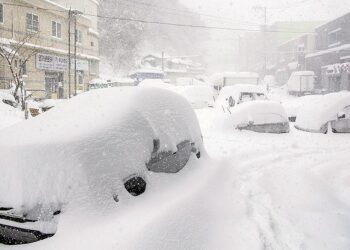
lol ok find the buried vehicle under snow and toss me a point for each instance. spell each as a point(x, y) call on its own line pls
point(249, 109)
point(328, 112)
point(94, 150)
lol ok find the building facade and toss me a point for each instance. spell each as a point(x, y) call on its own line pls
point(44, 26)
point(331, 59)
point(290, 56)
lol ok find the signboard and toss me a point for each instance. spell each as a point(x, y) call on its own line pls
point(51, 62)
point(82, 65)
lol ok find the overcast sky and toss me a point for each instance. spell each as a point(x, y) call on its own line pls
point(243, 13)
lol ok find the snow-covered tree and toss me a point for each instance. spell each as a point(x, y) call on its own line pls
point(124, 41)
point(16, 54)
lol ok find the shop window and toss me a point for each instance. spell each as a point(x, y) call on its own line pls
point(81, 78)
point(32, 22)
point(94, 67)
point(56, 29)
point(1, 13)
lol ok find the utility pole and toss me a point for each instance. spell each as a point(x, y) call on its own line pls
point(75, 54)
point(265, 38)
point(264, 30)
point(69, 51)
point(163, 61)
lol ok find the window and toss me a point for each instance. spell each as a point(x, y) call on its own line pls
point(32, 22)
point(94, 67)
point(334, 37)
point(78, 35)
point(1, 13)
point(56, 29)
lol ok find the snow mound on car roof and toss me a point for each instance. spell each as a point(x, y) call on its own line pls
point(89, 144)
point(314, 115)
point(293, 105)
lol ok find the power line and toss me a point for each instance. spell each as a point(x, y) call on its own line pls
point(147, 5)
point(172, 24)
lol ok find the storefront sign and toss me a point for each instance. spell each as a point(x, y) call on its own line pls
point(82, 65)
point(51, 62)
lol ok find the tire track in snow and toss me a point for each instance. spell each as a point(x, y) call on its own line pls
point(275, 232)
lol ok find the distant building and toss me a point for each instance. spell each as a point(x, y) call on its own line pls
point(290, 56)
point(46, 73)
point(281, 46)
point(331, 60)
point(174, 67)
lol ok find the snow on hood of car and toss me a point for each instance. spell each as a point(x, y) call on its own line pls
point(315, 114)
point(89, 144)
point(256, 112)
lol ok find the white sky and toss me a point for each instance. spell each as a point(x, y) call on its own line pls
point(278, 10)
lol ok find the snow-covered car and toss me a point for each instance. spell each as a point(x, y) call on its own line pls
point(331, 111)
point(250, 109)
point(98, 83)
point(7, 98)
point(92, 151)
point(293, 105)
point(220, 80)
point(200, 96)
point(237, 94)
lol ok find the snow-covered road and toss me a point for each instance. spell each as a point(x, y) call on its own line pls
point(296, 186)
point(254, 191)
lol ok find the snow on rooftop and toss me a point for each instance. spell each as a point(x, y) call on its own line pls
point(303, 73)
point(327, 51)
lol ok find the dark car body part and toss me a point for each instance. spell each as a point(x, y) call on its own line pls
point(274, 128)
point(169, 161)
point(135, 185)
point(13, 230)
point(337, 126)
point(13, 235)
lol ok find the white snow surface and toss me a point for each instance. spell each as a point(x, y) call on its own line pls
point(200, 96)
point(317, 113)
point(253, 191)
point(81, 151)
point(293, 105)
point(9, 115)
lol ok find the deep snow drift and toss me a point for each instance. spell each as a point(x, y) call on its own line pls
point(82, 151)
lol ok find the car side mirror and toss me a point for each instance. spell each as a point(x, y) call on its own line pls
point(231, 102)
point(341, 115)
